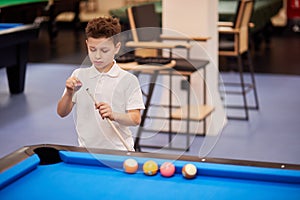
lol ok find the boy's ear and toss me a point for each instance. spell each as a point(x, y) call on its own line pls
point(117, 47)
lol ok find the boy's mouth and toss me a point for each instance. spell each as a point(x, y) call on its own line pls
point(98, 62)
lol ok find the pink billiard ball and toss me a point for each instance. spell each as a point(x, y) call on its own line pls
point(167, 169)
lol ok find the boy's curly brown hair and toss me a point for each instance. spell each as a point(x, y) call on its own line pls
point(104, 27)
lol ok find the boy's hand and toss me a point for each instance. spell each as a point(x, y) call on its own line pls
point(73, 84)
point(105, 110)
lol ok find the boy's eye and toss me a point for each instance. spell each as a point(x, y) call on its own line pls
point(104, 50)
point(92, 49)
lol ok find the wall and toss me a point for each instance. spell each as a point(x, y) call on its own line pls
point(105, 5)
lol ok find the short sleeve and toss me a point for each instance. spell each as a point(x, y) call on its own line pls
point(134, 94)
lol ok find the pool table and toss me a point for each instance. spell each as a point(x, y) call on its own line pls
point(65, 172)
point(30, 11)
point(14, 39)
point(21, 11)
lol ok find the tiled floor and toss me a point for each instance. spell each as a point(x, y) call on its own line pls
point(271, 134)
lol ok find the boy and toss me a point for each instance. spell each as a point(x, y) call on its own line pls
point(116, 91)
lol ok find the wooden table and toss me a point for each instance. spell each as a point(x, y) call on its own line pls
point(188, 112)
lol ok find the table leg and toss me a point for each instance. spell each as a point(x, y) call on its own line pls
point(16, 73)
point(145, 112)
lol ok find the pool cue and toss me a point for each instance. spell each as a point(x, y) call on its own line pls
point(111, 124)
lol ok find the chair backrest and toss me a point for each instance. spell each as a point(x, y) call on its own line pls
point(242, 19)
point(244, 13)
point(144, 22)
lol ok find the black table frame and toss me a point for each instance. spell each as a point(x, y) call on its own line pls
point(50, 153)
point(14, 54)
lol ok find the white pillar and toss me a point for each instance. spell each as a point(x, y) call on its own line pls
point(199, 18)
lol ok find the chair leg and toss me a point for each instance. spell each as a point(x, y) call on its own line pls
point(251, 68)
point(241, 71)
point(242, 83)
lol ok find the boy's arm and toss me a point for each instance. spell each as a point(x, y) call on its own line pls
point(65, 104)
point(131, 118)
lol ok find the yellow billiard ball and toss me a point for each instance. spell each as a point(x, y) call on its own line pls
point(150, 167)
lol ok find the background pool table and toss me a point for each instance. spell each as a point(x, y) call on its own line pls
point(28, 11)
point(14, 39)
point(61, 172)
point(21, 11)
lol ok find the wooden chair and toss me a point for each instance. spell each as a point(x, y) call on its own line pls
point(146, 29)
point(148, 42)
point(236, 44)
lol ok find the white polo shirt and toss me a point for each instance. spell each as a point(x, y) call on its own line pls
point(121, 90)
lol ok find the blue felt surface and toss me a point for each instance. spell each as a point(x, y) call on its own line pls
point(104, 181)
point(4, 26)
point(18, 170)
point(207, 169)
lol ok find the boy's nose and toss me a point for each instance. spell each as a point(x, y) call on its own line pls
point(98, 54)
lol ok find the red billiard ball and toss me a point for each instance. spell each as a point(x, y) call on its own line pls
point(130, 165)
point(189, 171)
point(150, 167)
point(167, 169)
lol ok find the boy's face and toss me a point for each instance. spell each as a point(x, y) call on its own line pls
point(101, 52)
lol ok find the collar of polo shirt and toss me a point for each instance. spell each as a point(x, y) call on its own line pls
point(113, 72)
